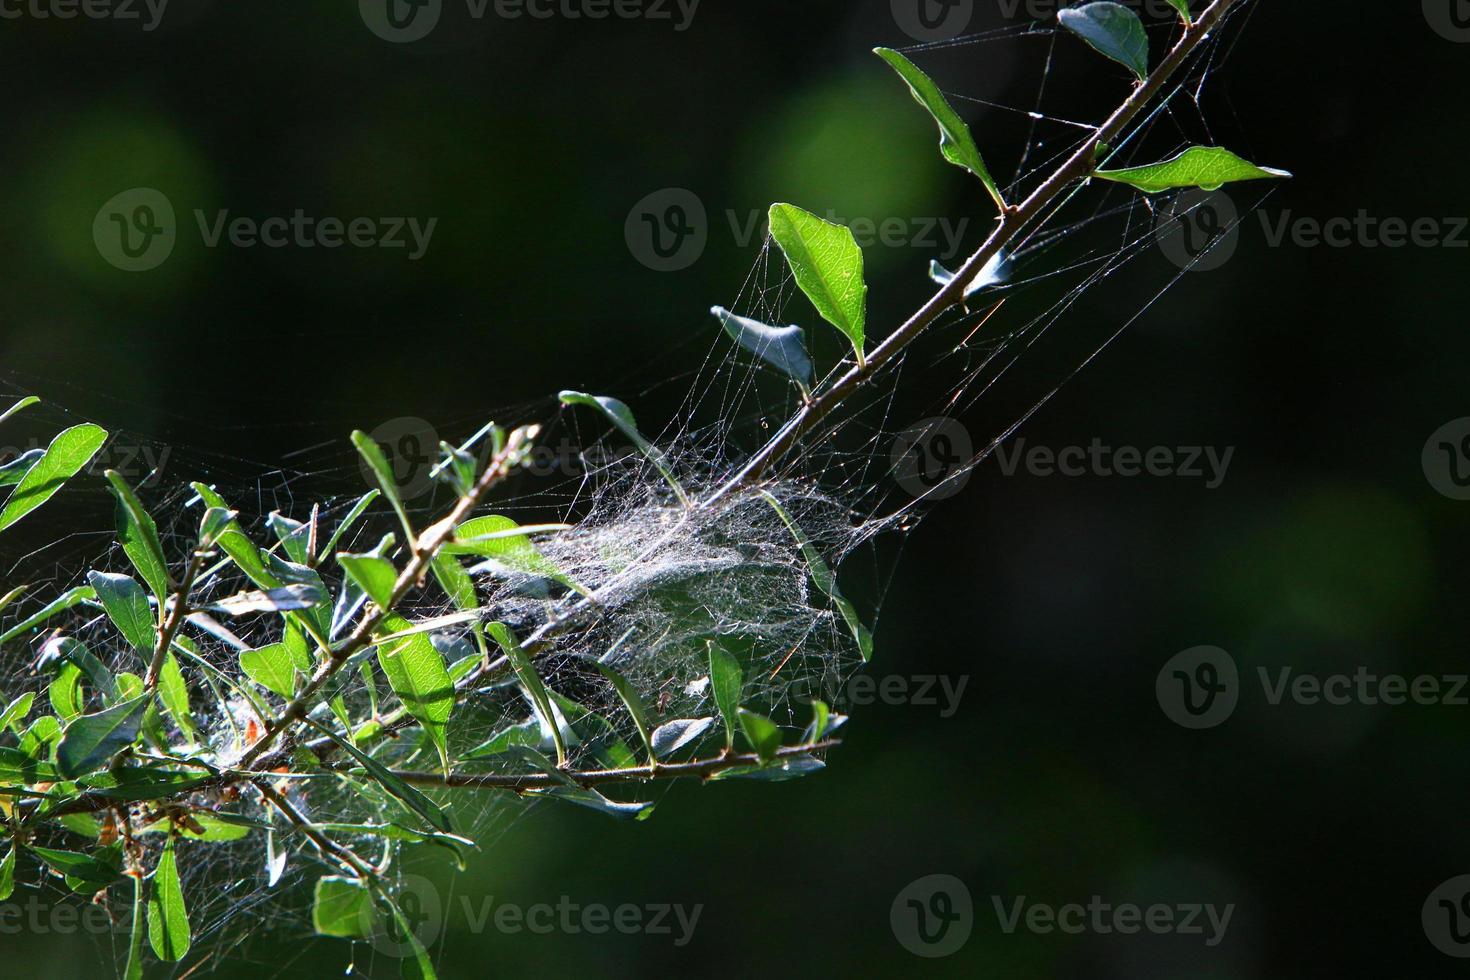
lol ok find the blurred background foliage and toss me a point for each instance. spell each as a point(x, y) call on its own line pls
point(1058, 778)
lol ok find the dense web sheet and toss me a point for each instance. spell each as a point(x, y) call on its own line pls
point(664, 581)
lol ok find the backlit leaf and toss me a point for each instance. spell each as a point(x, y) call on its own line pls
point(828, 266)
point(1205, 167)
point(1112, 30)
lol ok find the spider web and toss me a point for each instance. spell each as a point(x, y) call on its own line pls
point(667, 580)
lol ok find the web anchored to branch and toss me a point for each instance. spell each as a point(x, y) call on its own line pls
point(226, 698)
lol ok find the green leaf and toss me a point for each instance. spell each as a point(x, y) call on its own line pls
point(15, 712)
point(1183, 7)
point(13, 595)
point(826, 581)
point(828, 266)
point(527, 733)
point(293, 535)
point(125, 604)
point(956, 143)
point(139, 537)
point(271, 668)
point(35, 742)
point(210, 830)
point(727, 682)
point(421, 967)
point(168, 919)
point(342, 907)
point(174, 694)
point(17, 768)
point(358, 509)
point(14, 471)
point(383, 471)
point(416, 671)
point(71, 450)
point(89, 741)
point(374, 575)
point(19, 406)
point(60, 604)
point(455, 581)
point(761, 732)
point(7, 874)
point(410, 797)
point(530, 681)
point(65, 692)
point(135, 784)
point(634, 704)
point(500, 538)
point(1111, 30)
point(621, 416)
point(84, 873)
point(1205, 167)
point(782, 347)
point(134, 969)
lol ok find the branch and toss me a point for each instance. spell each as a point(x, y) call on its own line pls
point(1012, 223)
point(424, 550)
point(520, 782)
point(174, 620)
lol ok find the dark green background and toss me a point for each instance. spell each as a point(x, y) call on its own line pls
point(1059, 777)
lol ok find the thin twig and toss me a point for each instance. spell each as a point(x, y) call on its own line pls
point(173, 620)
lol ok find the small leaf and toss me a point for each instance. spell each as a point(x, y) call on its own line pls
point(358, 509)
point(727, 682)
point(89, 741)
point(174, 694)
point(828, 266)
point(417, 673)
point(14, 471)
point(1205, 167)
point(955, 141)
point(526, 733)
point(991, 274)
point(271, 668)
point(139, 537)
point(826, 581)
point(60, 604)
point(15, 712)
point(782, 347)
point(134, 969)
point(374, 575)
point(633, 703)
point(673, 736)
point(1111, 30)
point(761, 732)
point(7, 874)
point(1183, 7)
point(17, 768)
point(342, 907)
point(412, 798)
point(168, 919)
point(383, 471)
point(292, 534)
point(125, 604)
point(621, 416)
point(19, 406)
point(421, 967)
point(84, 873)
point(283, 598)
point(71, 450)
point(530, 681)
